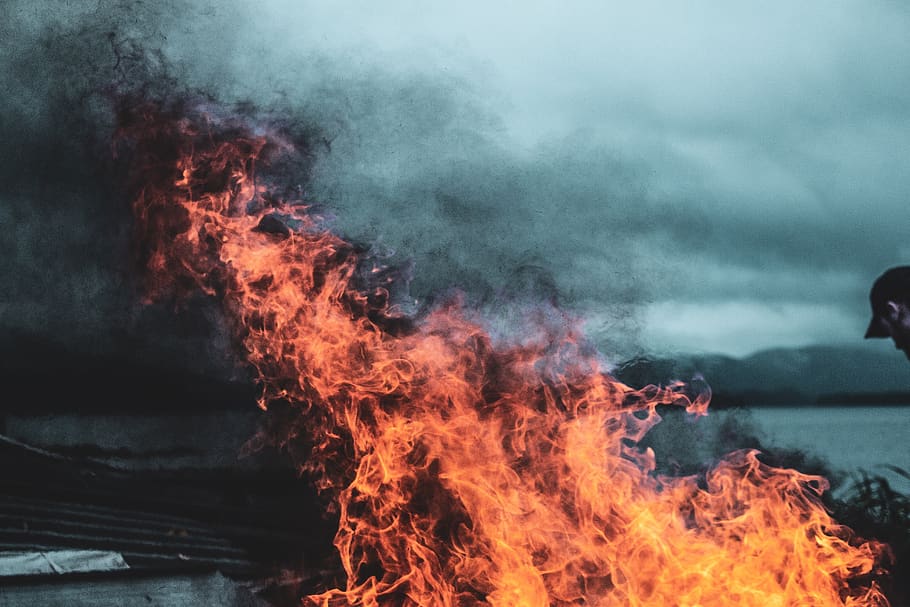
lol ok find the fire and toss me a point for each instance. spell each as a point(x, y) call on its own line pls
point(466, 469)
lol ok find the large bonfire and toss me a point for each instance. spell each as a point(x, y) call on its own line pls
point(465, 469)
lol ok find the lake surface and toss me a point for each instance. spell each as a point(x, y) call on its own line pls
point(850, 439)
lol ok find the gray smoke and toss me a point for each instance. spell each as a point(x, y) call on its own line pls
point(416, 162)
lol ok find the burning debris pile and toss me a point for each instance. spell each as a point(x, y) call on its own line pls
point(466, 469)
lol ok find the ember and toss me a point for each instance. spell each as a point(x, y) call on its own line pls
point(466, 469)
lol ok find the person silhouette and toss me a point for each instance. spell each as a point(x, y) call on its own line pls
point(890, 300)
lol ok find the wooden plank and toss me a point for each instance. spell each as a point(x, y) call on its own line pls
point(118, 544)
point(27, 506)
point(177, 536)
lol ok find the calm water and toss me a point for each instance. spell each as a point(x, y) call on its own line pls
point(850, 439)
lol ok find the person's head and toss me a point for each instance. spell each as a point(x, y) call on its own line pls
point(890, 299)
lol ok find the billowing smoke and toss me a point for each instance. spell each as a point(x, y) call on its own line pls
point(412, 160)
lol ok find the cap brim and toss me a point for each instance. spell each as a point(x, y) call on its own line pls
point(877, 328)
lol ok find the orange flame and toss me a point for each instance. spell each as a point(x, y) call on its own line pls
point(468, 470)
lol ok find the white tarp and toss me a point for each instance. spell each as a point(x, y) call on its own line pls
point(59, 562)
point(128, 591)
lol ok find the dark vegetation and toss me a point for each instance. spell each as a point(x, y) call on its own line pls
point(874, 509)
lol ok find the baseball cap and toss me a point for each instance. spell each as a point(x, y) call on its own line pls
point(892, 285)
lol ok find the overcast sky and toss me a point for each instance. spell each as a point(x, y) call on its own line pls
point(768, 146)
point(694, 176)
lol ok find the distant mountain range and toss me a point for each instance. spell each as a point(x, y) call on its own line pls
point(809, 375)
